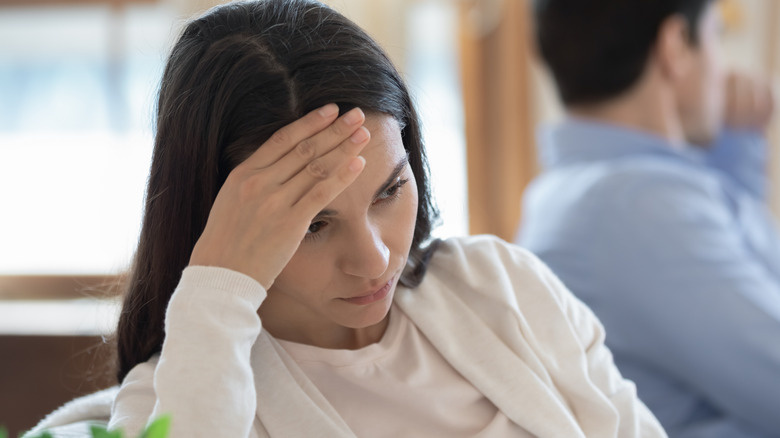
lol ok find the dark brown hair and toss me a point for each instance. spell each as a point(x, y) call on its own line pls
point(598, 49)
point(235, 76)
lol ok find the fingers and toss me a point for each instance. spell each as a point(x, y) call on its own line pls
point(766, 105)
point(306, 153)
point(322, 179)
point(770, 103)
point(283, 140)
point(749, 102)
point(326, 190)
point(264, 207)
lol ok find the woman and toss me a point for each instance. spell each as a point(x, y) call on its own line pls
point(286, 284)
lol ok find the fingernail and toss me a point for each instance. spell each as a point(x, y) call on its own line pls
point(358, 164)
point(360, 135)
point(328, 110)
point(353, 116)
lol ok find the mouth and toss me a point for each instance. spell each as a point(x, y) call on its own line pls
point(372, 297)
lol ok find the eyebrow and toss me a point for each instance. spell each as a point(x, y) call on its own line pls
point(396, 171)
point(393, 175)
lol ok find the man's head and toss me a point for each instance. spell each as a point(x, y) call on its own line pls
point(599, 50)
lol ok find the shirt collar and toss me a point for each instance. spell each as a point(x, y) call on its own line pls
point(577, 140)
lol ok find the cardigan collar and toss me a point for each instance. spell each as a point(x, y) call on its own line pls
point(294, 403)
point(464, 340)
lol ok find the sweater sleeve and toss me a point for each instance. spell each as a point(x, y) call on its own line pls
point(635, 419)
point(203, 378)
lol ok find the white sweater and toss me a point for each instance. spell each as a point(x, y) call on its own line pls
point(493, 311)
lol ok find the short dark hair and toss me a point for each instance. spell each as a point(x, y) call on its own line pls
point(234, 77)
point(598, 49)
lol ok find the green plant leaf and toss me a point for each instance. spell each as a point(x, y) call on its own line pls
point(158, 429)
point(3, 432)
point(44, 434)
point(101, 432)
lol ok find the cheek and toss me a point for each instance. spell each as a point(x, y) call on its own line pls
point(713, 68)
point(702, 93)
point(411, 193)
point(712, 88)
point(301, 274)
point(398, 227)
point(410, 213)
point(413, 205)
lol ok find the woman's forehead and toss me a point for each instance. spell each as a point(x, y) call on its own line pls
point(385, 148)
point(384, 154)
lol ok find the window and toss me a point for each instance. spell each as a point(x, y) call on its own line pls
point(77, 86)
point(432, 73)
point(77, 89)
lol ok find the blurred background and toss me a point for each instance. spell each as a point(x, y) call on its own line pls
point(78, 80)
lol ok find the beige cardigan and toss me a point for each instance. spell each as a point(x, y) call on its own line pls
point(493, 310)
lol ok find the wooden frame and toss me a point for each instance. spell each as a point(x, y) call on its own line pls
point(500, 152)
point(58, 287)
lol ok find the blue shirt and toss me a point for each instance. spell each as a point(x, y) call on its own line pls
point(675, 251)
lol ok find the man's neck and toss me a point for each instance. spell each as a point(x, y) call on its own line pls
point(647, 107)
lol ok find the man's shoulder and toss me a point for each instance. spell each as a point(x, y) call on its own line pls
point(621, 180)
point(616, 203)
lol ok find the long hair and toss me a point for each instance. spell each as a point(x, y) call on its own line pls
point(234, 77)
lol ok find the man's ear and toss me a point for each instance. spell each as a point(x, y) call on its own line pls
point(674, 47)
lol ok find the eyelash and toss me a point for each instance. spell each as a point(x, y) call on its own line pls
point(393, 192)
point(390, 194)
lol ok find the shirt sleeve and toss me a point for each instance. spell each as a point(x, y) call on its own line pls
point(742, 156)
point(698, 303)
point(203, 378)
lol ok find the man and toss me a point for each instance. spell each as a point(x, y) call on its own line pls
point(652, 210)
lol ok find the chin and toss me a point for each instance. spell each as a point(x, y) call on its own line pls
point(703, 138)
point(702, 143)
point(370, 315)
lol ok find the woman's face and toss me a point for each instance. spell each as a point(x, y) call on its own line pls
point(338, 287)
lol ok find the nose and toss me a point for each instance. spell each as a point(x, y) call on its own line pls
point(366, 254)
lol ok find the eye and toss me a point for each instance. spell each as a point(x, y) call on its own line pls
point(392, 192)
point(315, 228)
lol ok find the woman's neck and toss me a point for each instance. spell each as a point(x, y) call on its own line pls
point(303, 328)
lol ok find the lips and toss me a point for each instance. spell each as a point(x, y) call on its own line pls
point(373, 297)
